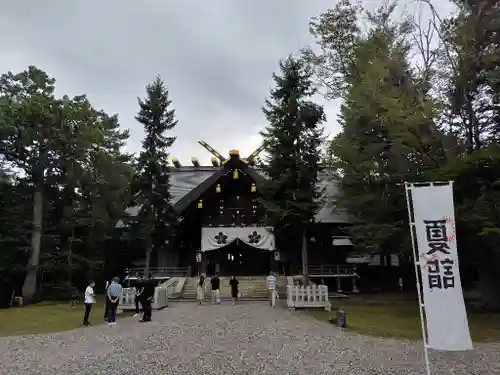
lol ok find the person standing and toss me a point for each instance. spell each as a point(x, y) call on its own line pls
point(271, 288)
point(200, 289)
point(138, 291)
point(106, 303)
point(147, 295)
point(215, 283)
point(113, 295)
point(233, 283)
point(89, 301)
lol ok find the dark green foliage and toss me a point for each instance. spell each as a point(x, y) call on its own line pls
point(293, 138)
point(386, 136)
point(73, 184)
point(154, 223)
point(402, 122)
point(15, 230)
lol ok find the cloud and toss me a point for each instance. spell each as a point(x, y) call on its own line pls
point(216, 57)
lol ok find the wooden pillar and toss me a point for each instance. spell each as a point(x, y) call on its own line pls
point(203, 264)
point(339, 286)
point(354, 286)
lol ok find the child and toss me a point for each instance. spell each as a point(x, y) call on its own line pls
point(89, 302)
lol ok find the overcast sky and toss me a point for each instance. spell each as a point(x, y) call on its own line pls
point(216, 58)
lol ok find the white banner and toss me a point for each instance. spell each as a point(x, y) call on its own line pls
point(434, 221)
point(258, 237)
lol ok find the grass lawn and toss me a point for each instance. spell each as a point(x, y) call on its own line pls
point(46, 317)
point(397, 316)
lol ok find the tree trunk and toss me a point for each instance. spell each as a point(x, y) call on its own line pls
point(38, 170)
point(30, 282)
point(305, 271)
point(67, 225)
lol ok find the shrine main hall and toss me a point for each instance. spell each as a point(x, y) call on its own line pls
point(221, 224)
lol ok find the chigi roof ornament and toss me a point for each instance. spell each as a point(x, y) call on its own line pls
point(218, 159)
point(176, 162)
point(195, 162)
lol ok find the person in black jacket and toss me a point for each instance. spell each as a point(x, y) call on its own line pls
point(106, 307)
point(234, 289)
point(147, 299)
point(215, 282)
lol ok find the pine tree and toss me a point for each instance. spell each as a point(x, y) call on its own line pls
point(155, 220)
point(28, 127)
point(293, 137)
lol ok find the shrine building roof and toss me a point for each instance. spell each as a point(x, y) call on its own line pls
point(188, 183)
point(186, 180)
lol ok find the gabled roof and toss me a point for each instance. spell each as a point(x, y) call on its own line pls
point(327, 213)
point(189, 183)
point(196, 192)
point(182, 181)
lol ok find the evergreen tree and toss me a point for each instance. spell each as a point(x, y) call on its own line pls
point(73, 174)
point(293, 138)
point(402, 120)
point(154, 223)
point(28, 126)
point(386, 137)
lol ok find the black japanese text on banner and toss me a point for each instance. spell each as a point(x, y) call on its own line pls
point(434, 219)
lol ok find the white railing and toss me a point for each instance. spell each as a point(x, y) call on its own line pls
point(160, 299)
point(127, 298)
point(170, 289)
point(159, 271)
point(326, 270)
point(336, 272)
point(171, 286)
point(313, 296)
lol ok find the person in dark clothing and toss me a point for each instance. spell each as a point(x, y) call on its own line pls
point(106, 307)
point(147, 295)
point(233, 283)
point(215, 283)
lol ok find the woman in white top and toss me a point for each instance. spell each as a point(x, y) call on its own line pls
point(89, 302)
point(200, 290)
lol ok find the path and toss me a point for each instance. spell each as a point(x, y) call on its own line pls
point(251, 338)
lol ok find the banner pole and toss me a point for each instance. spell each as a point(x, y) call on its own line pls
point(416, 262)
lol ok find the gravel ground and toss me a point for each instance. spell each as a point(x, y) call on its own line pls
point(251, 338)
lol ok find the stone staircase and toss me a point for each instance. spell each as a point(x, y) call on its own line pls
point(189, 289)
point(250, 288)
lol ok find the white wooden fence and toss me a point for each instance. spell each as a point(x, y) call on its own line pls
point(313, 296)
point(127, 298)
